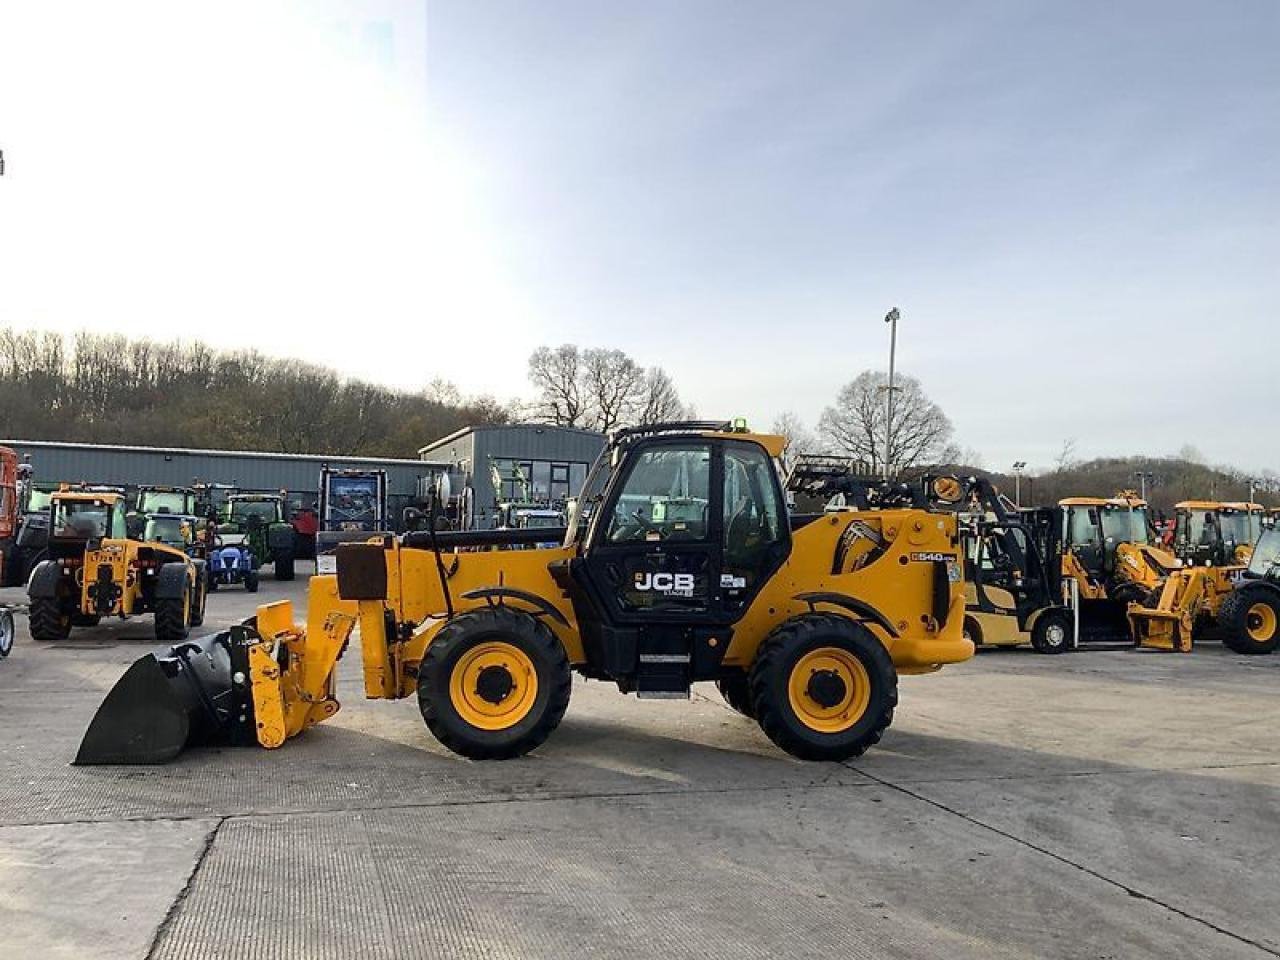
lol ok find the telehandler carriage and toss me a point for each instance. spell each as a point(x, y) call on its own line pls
point(680, 563)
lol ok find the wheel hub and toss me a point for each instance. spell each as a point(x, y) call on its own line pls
point(826, 688)
point(494, 684)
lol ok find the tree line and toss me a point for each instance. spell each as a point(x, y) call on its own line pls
point(105, 388)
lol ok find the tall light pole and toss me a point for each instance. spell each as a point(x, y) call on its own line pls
point(1143, 477)
point(890, 318)
point(1018, 467)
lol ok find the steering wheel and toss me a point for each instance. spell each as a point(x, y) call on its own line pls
point(648, 526)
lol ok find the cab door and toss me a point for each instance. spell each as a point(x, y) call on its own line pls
point(687, 534)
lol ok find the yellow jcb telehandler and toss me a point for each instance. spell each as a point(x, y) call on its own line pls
point(1214, 543)
point(95, 570)
point(680, 563)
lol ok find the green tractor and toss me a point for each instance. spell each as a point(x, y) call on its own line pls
point(259, 518)
point(151, 500)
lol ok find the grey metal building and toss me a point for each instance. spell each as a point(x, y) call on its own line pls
point(298, 474)
point(489, 465)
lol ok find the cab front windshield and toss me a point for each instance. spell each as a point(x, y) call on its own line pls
point(264, 510)
point(39, 501)
point(82, 519)
point(174, 531)
point(1266, 555)
point(1125, 525)
point(162, 501)
point(1239, 528)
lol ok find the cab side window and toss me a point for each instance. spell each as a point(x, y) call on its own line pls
point(1086, 529)
point(753, 517)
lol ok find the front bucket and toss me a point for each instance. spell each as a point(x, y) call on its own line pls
point(166, 701)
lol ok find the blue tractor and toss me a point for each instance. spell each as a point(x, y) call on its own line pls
point(232, 563)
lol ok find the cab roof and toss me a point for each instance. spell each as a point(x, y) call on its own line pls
point(1237, 506)
point(773, 444)
point(1126, 502)
point(87, 495)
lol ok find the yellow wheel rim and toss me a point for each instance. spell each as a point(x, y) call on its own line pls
point(1260, 622)
point(493, 686)
point(829, 690)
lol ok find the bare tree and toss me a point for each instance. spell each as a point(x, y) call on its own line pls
point(612, 388)
point(1066, 458)
point(855, 424)
point(557, 376)
point(800, 439)
point(661, 402)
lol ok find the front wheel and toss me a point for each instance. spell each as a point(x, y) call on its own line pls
point(251, 581)
point(284, 568)
point(823, 687)
point(1052, 632)
point(493, 684)
point(49, 621)
point(173, 618)
point(1250, 620)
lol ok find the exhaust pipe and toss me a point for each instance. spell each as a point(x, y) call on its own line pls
point(194, 693)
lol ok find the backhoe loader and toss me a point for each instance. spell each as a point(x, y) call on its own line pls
point(1249, 618)
point(95, 570)
point(1214, 542)
point(679, 563)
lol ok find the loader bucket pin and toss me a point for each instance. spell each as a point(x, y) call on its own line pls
point(166, 701)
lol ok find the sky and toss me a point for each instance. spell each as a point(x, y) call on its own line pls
point(1075, 206)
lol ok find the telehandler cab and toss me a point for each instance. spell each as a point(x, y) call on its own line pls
point(679, 564)
point(95, 570)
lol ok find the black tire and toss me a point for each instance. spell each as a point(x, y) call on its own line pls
point(463, 634)
point(251, 581)
point(1245, 624)
point(284, 568)
point(973, 631)
point(49, 621)
point(784, 651)
point(1052, 632)
point(173, 624)
point(736, 690)
point(198, 601)
point(6, 633)
point(85, 619)
point(213, 582)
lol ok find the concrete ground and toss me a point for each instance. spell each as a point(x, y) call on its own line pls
point(1100, 804)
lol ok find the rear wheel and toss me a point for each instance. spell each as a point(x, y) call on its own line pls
point(493, 684)
point(49, 621)
point(198, 601)
point(736, 691)
point(1250, 620)
point(284, 568)
point(1052, 632)
point(823, 687)
point(173, 618)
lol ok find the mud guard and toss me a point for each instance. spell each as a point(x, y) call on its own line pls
point(171, 581)
point(43, 584)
